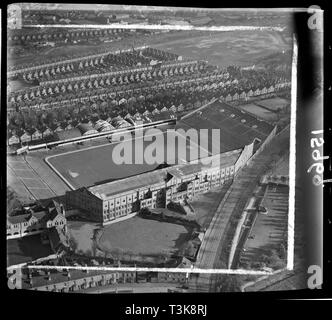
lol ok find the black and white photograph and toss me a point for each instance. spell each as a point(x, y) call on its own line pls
point(155, 149)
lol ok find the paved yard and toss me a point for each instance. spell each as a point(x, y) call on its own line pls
point(25, 179)
point(270, 230)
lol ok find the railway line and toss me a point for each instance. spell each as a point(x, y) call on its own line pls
point(230, 207)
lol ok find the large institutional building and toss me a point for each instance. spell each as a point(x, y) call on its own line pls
point(107, 202)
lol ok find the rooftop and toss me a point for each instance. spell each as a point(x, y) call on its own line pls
point(109, 189)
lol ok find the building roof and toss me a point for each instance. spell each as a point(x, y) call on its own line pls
point(104, 191)
point(52, 210)
point(57, 238)
point(162, 115)
point(60, 277)
point(18, 219)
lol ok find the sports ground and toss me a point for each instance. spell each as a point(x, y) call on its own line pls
point(221, 48)
point(225, 48)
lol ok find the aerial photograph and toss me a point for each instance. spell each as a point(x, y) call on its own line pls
point(145, 144)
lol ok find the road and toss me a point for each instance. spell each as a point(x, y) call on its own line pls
point(233, 203)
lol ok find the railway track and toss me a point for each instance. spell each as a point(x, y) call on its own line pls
point(232, 204)
point(277, 280)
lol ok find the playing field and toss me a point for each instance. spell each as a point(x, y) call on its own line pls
point(227, 48)
point(99, 164)
point(143, 236)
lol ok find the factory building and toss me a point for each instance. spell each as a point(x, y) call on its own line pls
point(156, 189)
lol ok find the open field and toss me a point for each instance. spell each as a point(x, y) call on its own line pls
point(219, 48)
point(90, 48)
point(143, 236)
point(66, 51)
point(96, 164)
point(224, 48)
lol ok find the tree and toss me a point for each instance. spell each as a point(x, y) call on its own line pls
point(13, 203)
point(73, 244)
point(30, 121)
point(144, 211)
point(283, 179)
point(50, 118)
point(282, 251)
point(17, 119)
point(61, 115)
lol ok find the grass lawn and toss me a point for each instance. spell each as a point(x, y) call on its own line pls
point(227, 48)
point(206, 204)
point(82, 234)
point(143, 236)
